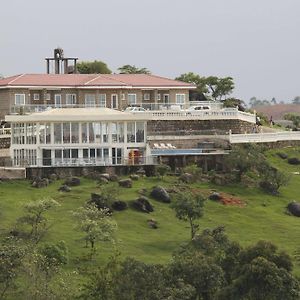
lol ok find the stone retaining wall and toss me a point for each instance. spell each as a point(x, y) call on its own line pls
point(191, 127)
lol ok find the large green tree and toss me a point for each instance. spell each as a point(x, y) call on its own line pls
point(132, 69)
point(211, 87)
point(93, 67)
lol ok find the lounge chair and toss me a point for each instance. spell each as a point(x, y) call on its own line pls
point(170, 146)
point(163, 146)
point(156, 146)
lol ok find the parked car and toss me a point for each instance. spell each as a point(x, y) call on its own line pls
point(134, 109)
point(199, 107)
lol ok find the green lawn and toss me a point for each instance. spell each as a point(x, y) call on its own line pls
point(263, 217)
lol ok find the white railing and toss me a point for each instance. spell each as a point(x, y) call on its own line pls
point(264, 137)
point(86, 162)
point(224, 114)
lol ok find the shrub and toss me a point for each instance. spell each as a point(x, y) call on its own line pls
point(268, 187)
point(162, 170)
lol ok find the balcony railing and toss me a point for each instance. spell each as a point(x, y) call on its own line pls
point(5, 132)
point(264, 137)
point(87, 162)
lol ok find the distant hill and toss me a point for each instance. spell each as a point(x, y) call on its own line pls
point(277, 111)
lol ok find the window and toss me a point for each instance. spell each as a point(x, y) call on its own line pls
point(36, 97)
point(180, 99)
point(140, 132)
point(131, 99)
point(70, 99)
point(102, 100)
point(19, 99)
point(47, 97)
point(147, 96)
point(57, 100)
point(158, 97)
point(57, 133)
point(114, 101)
point(123, 97)
point(90, 100)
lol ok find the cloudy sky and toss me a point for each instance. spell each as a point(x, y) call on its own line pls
point(257, 42)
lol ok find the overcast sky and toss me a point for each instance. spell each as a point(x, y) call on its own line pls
point(257, 42)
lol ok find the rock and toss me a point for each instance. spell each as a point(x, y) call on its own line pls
point(294, 161)
point(142, 191)
point(160, 194)
point(105, 175)
point(126, 183)
point(134, 177)
point(72, 181)
point(40, 182)
point(142, 204)
point(114, 177)
point(65, 188)
point(294, 208)
point(186, 178)
point(53, 177)
point(282, 155)
point(215, 196)
point(152, 223)
point(102, 180)
point(141, 172)
point(119, 205)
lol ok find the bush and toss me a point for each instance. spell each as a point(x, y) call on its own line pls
point(162, 170)
point(194, 170)
point(268, 187)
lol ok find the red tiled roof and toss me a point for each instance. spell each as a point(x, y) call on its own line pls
point(75, 80)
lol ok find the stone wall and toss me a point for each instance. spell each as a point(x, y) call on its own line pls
point(192, 127)
point(4, 143)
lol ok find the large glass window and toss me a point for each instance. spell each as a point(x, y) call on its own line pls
point(19, 99)
point(74, 133)
point(66, 133)
point(180, 99)
point(91, 133)
point(84, 132)
point(57, 100)
point(97, 132)
point(121, 132)
point(130, 132)
point(114, 132)
point(140, 132)
point(70, 99)
point(104, 132)
point(90, 100)
point(57, 133)
point(102, 100)
point(131, 99)
point(45, 133)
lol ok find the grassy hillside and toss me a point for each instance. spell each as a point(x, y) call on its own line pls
point(263, 217)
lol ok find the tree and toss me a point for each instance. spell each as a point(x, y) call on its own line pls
point(96, 224)
point(93, 67)
point(234, 102)
point(219, 88)
point(189, 207)
point(262, 273)
point(11, 256)
point(199, 81)
point(272, 179)
point(132, 69)
point(242, 159)
point(294, 117)
point(296, 100)
point(35, 217)
point(273, 101)
point(199, 271)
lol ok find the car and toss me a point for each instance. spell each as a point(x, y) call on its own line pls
point(199, 107)
point(134, 109)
